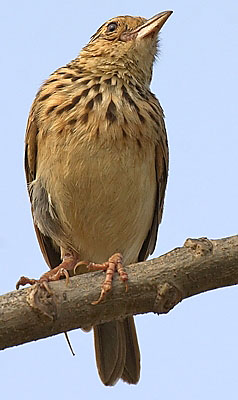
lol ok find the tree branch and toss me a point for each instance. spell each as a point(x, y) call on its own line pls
point(154, 286)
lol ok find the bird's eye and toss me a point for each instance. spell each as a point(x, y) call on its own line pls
point(111, 27)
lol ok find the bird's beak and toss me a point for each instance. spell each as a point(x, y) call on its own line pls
point(152, 25)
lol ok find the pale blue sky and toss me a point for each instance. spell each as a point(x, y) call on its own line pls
point(192, 352)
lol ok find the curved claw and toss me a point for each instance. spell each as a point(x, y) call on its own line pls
point(111, 266)
point(101, 297)
point(69, 263)
point(66, 274)
point(87, 263)
point(45, 285)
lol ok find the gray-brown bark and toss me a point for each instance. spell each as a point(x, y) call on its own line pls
point(154, 286)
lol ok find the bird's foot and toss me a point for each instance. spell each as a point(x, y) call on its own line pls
point(41, 297)
point(111, 266)
point(69, 263)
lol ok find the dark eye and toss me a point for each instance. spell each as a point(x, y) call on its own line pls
point(111, 27)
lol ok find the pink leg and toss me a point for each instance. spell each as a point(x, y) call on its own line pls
point(111, 266)
point(69, 263)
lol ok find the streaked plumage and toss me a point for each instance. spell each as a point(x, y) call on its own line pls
point(96, 165)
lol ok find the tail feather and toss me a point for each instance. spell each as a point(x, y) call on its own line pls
point(131, 373)
point(117, 351)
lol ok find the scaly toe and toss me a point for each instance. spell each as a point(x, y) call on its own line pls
point(24, 280)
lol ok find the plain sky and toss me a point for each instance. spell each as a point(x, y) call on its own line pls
point(190, 353)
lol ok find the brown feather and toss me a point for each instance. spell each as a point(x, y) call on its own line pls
point(96, 162)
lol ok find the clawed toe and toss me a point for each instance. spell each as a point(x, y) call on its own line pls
point(50, 276)
point(41, 297)
point(69, 263)
point(25, 281)
point(114, 264)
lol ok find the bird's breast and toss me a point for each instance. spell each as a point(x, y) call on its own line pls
point(96, 160)
point(104, 198)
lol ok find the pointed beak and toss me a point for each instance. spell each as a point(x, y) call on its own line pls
point(151, 26)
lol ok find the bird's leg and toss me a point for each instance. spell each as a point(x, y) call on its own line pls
point(70, 263)
point(42, 297)
point(111, 266)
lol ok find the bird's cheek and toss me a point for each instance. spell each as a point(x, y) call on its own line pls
point(128, 36)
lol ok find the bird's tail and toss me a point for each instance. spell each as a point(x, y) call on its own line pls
point(117, 351)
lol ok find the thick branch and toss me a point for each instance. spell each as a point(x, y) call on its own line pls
point(154, 286)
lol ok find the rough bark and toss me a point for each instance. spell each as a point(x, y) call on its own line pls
point(154, 286)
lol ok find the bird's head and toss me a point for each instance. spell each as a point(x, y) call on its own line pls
point(125, 44)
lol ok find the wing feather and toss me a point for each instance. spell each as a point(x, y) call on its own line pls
point(50, 252)
point(161, 168)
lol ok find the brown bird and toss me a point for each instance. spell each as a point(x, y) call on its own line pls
point(96, 161)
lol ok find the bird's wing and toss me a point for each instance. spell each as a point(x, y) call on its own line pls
point(50, 252)
point(161, 167)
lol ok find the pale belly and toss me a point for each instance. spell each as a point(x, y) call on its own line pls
point(105, 200)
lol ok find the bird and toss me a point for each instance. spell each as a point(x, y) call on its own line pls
point(96, 164)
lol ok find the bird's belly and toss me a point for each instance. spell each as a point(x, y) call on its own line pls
point(105, 200)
